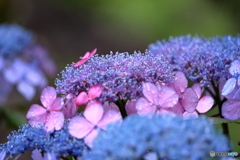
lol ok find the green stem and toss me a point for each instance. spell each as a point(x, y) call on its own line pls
point(220, 103)
point(121, 106)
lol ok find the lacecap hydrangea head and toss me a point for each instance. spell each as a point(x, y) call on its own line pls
point(121, 75)
point(201, 59)
point(23, 62)
point(165, 137)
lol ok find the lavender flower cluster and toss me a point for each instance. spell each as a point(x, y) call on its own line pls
point(120, 74)
point(201, 59)
point(165, 136)
point(23, 62)
point(61, 142)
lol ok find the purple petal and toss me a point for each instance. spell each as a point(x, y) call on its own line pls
point(70, 109)
point(229, 86)
point(144, 107)
point(205, 104)
point(26, 89)
point(35, 77)
point(36, 155)
point(54, 121)
point(187, 115)
point(109, 117)
point(180, 82)
point(49, 156)
point(110, 106)
point(57, 105)
point(150, 91)
point(231, 110)
point(48, 95)
point(167, 97)
point(235, 67)
point(93, 113)
point(79, 127)
point(177, 109)
point(189, 100)
point(36, 115)
point(131, 106)
point(90, 137)
point(196, 87)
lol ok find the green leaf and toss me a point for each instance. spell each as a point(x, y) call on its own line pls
point(217, 120)
point(14, 119)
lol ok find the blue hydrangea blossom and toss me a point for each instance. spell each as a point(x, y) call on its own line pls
point(166, 136)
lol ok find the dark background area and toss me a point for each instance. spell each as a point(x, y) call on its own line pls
point(69, 28)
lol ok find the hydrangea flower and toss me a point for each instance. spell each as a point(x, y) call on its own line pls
point(121, 75)
point(169, 137)
point(60, 143)
point(85, 58)
point(201, 59)
point(22, 62)
point(157, 99)
point(231, 90)
point(87, 127)
point(50, 115)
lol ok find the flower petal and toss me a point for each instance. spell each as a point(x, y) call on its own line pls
point(180, 82)
point(48, 95)
point(57, 105)
point(167, 97)
point(177, 109)
point(189, 100)
point(93, 113)
point(205, 104)
point(81, 99)
point(79, 127)
point(231, 110)
point(70, 109)
point(26, 89)
point(187, 115)
point(150, 91)
point(131, 106)
point(229, 86)
point(54, 121)
point(109, 117)
point(235, 67)
point(110, 106)
point(196, 87)
point(36, 155)
point(144, 107)
point(90, 137)
point(36, 115)
point(95, 91)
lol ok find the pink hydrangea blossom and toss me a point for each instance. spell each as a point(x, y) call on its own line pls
point(94, 118)
point(94, 92)
point(204, 104)
point(157, 99)
point(188, 98)
point(50, 116)
point(85, 57)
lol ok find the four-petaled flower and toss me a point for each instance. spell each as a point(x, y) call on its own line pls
point(94, 92)
point(188, 99)
point(158, 99)
point(50, 116)
point(94, 118)
point(204, 104)
point(85, 57)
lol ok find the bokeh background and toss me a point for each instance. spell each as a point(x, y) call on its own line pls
point(69, 28)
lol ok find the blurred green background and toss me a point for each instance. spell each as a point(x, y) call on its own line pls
point(69, 28)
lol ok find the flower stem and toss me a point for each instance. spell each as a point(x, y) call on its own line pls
point(121, 106)
point(220, 103)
